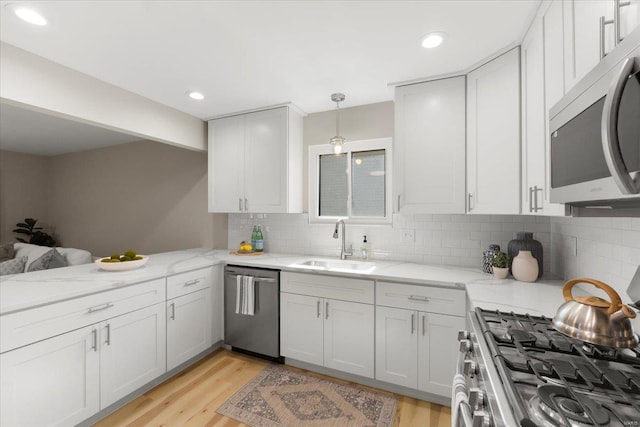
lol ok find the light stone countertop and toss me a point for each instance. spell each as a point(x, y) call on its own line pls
point(29, 290)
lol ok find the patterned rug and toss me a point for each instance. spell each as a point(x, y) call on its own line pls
point(279, 396)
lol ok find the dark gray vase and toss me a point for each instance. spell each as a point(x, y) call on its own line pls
point(525, 241)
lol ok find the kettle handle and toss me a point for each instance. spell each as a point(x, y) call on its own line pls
point(616, 302)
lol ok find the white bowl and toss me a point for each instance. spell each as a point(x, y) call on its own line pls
point(121, 266)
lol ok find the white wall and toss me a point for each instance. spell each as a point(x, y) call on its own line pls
point(33, 82)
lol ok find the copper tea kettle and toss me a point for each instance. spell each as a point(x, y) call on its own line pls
point(595, 320)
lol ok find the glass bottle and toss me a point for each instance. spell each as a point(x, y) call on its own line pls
point(254, 237)
point(259, 246)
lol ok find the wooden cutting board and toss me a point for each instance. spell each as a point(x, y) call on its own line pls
point(246, 254)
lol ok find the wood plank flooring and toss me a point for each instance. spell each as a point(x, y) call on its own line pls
point(192, 397)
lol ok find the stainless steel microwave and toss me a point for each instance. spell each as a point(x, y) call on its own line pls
point(595, 134)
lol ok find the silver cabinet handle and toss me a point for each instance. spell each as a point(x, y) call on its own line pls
point(418, 298)
point(318, 308)
point(108, 330)
point(424, 324)
point(609, 131)
point(531, 207)
point(192, 282)
point(100, 307)
point(326, 309)
point(94, 346)
point(413, 323)
point(246, 204)
point(173, 311)
point(469, 196)
point(398, 203)
point(603, 23)
point(616, 17)
point(533, 199)
point(239, 203)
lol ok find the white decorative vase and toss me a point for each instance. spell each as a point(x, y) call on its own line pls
point(525, 267)
point(500, 273)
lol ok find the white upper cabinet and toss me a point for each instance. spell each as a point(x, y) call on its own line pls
point(429, 147)
point(493, 136)
point(255, 162)
point(585, 39)
point(533, 120)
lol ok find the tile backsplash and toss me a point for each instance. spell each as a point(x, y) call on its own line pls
point(431, 239)
point(607, 249)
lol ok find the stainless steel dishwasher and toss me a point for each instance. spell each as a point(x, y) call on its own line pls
point(258, 333)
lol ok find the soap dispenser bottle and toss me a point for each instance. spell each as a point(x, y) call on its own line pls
point(364, 249)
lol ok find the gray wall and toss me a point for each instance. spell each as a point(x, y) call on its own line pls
point(146, 196)
point(23, 191)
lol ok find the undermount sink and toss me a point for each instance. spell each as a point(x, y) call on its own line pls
point(337, 265)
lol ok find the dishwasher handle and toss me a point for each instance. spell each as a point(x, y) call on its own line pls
point(255, 278)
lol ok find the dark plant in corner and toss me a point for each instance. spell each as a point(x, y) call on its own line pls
point(36, 236)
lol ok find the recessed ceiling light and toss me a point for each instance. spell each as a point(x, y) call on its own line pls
point(195, 95)
point(432, 40)
point(28, 15)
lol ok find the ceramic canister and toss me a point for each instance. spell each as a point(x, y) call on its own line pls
point(524, 267)
point(525, 241)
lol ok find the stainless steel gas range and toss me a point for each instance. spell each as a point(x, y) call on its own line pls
point(516, 370)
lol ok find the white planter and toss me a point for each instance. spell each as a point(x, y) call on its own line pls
point(500, 273)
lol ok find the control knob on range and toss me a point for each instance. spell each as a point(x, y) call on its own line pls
point(465, 346)
point(476, 398)
point(481, 419)
point(470, 368)
point(463, 335)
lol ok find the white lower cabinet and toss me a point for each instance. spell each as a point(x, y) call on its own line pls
point(189, 326)
point(53, 382)
point(132, 352)
point(416, 349)
point(328, 321)
point(326, 332)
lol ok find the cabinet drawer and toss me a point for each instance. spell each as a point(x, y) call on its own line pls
point(421, 298)
point(191, 281)
point(340, 288)
point(25, 327)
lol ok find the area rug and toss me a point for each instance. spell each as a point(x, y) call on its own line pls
point(279, 396)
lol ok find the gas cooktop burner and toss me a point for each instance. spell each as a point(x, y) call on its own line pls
point(561, 405)
point(553, 380)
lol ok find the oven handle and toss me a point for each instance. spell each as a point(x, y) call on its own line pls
point(609, 131)
point(465, 415)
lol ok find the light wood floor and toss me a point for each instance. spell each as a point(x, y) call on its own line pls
point(192, 397)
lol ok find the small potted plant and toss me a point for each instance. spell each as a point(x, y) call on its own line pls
point(500, 263)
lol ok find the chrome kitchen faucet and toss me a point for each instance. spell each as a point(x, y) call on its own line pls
point(343, 251)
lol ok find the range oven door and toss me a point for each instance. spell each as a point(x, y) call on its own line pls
point(595, 141)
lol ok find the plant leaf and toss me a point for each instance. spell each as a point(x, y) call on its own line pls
point(21, 231)
point(22, 224)
point(21, 240)
point(30, 221)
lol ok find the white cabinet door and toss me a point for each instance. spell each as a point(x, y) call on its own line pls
point(301, 328)
point(132, 352)
point(397, 346)
point(493, 135)
point(217, 304)
point(348, 337)
point(554, 90)
point(266, 161)
point(188, 326)
point(54, 382)
point(629, 18)
point(437, 352)
point(582, 36)
point(429, 147)
point(533, 120)
point(226, 164)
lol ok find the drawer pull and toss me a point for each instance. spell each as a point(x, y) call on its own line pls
point(173, 311)
point(424, 324)
point(418, 298)
point(192, 282)
point(100, 307)
point(326, 308)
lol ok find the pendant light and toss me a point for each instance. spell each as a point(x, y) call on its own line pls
point(337, 141)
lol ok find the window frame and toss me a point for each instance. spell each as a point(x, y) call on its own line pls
point(315, 151)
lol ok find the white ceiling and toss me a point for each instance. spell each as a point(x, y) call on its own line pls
point(249, 54)
point(32, 132)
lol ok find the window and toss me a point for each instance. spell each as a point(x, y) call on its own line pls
point(354, 184)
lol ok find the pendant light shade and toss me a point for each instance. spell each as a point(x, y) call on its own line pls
point(337, 141)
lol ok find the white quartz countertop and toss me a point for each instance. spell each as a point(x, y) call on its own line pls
point(29, 290)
